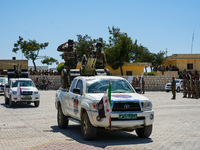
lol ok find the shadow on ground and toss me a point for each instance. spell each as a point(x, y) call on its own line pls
point(104, 138)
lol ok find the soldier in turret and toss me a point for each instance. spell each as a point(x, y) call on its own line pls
point(17, 71)
point(100, 55)
point(70, 57)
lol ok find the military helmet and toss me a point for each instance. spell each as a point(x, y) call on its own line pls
point(70, 41)
point(99, 44)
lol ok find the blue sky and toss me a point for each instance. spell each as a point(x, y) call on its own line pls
point(155, 24)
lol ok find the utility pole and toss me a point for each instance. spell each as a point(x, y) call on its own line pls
point(166, 52)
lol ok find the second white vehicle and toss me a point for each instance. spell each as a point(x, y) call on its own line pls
point(179, 85)
point(28, 92)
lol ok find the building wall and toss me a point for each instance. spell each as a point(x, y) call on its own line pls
point(135, 68)
point(182, 64)
point(9, 64)
point(182, 60)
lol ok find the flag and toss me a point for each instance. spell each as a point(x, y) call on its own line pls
point(18, 91)
point(104, 107)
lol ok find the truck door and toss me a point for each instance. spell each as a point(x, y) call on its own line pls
point(67, 96)
point(75, 100)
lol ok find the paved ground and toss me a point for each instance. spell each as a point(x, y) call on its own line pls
point(177, 125)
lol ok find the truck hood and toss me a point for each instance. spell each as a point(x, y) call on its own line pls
point(120, 96)
point(26, 89)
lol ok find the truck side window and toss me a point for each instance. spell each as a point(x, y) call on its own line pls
point(73, 85)
point(80, 85)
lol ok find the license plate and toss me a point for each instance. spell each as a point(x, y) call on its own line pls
point(26, 97)
point(127, 116)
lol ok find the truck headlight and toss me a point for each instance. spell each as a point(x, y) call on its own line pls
point(14, 92)
point(147, 105)
point(95, 105)
point(36, 92)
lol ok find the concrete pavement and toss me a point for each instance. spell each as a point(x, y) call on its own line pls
point(176, 126)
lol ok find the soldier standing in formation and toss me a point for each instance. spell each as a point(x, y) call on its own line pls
point(188, 88)
point(192, 87)
point(134, 83)
point(184, 87)
point(173, 86)
point(70, 57)
point(143, 84)
point(196, 87)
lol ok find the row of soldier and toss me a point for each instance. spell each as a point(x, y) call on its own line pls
point(139, 83)
point(191, 87)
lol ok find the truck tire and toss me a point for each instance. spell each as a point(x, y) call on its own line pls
point(36, 103)
point(178, 89)
point(11, 103)
point(62, 119)
point(144, 132)
point(88, 131)
point(107, 72)
point(6, 100)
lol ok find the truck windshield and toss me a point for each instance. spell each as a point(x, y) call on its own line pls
point(23, 84)
point(100, 86)
point(3, 81)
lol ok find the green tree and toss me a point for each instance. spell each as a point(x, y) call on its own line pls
point(119, 49)
point(30, 48)
point(158, 59)
point(49, 61)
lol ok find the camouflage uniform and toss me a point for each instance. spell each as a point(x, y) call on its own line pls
point(173, 86)
point(70, 57)
point(192, 88)
point(196, 88)
point(100, 55)
point(139, 84)
point(188, 88)
point(184, 87)
point(133, 83)
point(143, 85)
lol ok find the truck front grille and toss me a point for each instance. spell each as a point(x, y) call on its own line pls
point(126, 106)
point(27, 93)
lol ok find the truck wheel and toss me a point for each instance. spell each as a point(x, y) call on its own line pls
point(88, 131)
point(6, 100)
point(36, 103)
point(62, 119)
point(107, 72)
point(12, 103)
point(178, 89)
point(144, 132)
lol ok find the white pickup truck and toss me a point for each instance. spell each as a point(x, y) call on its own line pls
point(130, 111)
point(28, 92)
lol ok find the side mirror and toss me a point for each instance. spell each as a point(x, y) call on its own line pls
point(7, 85)
point(138, 90)
point(77, 91)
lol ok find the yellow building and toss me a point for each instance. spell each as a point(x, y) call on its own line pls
point(128, 68)
point(189, 62)
point(9, 64)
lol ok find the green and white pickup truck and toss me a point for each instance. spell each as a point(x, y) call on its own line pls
point(130, 111)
